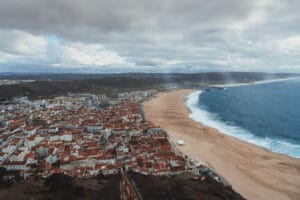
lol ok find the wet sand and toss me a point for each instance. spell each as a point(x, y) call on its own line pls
point(253, 171)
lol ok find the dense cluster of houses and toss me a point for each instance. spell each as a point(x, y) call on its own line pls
point(83, 135)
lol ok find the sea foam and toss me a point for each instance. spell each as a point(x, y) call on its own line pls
point(211, 120)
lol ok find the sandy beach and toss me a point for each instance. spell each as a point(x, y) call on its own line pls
point(254, 172)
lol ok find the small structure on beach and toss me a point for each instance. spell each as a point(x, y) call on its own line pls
point(180, 142)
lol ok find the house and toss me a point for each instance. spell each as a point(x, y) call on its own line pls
point(54, 137)
point(42, 150)
point(66, 137)
point(33, 140)
point(121, 151)
point(3, 156)
point(18, 155)
point(30, 130)
point(53, 130)
point(110, 169)
point(31, 158)
point(51, 159)
point(94, 129)
point(8, 148)
point(14, 165)
point(107, 159)
point(17, 141)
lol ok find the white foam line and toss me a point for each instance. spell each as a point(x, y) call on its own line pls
point(255, 82)
point(211, 120)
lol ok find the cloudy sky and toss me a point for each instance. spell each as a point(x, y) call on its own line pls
point(103, 36)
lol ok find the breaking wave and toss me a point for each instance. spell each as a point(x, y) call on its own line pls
point(209, 119)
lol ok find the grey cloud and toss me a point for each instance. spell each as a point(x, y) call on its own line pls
point(203, 35)
point(76, 17)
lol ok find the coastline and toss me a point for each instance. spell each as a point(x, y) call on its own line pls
point(255, 82)
point(208, 119)
point(254, 172)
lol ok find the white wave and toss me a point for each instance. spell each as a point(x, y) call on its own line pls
point(256, 82)
point(211, 120)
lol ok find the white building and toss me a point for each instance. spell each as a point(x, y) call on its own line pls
point(66, 137)
point(14, 165)
point(180, 142)
point(33, 141)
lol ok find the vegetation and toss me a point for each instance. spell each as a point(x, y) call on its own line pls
point(60, 186)
point(51, 85)
point(182, 188)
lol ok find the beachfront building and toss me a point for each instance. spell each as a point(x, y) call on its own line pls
point(180, 142)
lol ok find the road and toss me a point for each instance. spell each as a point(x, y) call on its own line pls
point(128, 191)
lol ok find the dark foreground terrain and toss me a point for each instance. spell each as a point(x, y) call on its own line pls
point(60, 186)
point(182, 188)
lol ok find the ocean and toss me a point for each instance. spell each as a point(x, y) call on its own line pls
point(267, 114)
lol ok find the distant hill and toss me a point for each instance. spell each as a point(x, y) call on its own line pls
point(222, 76)
point(50, 85)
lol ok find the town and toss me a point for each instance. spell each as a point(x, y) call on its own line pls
point(82, 135)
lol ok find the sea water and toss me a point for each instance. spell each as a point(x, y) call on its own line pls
point(266, 114)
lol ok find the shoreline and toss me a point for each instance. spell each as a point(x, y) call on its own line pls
point(204, 117)
point(254, 82)
point(253, 171)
